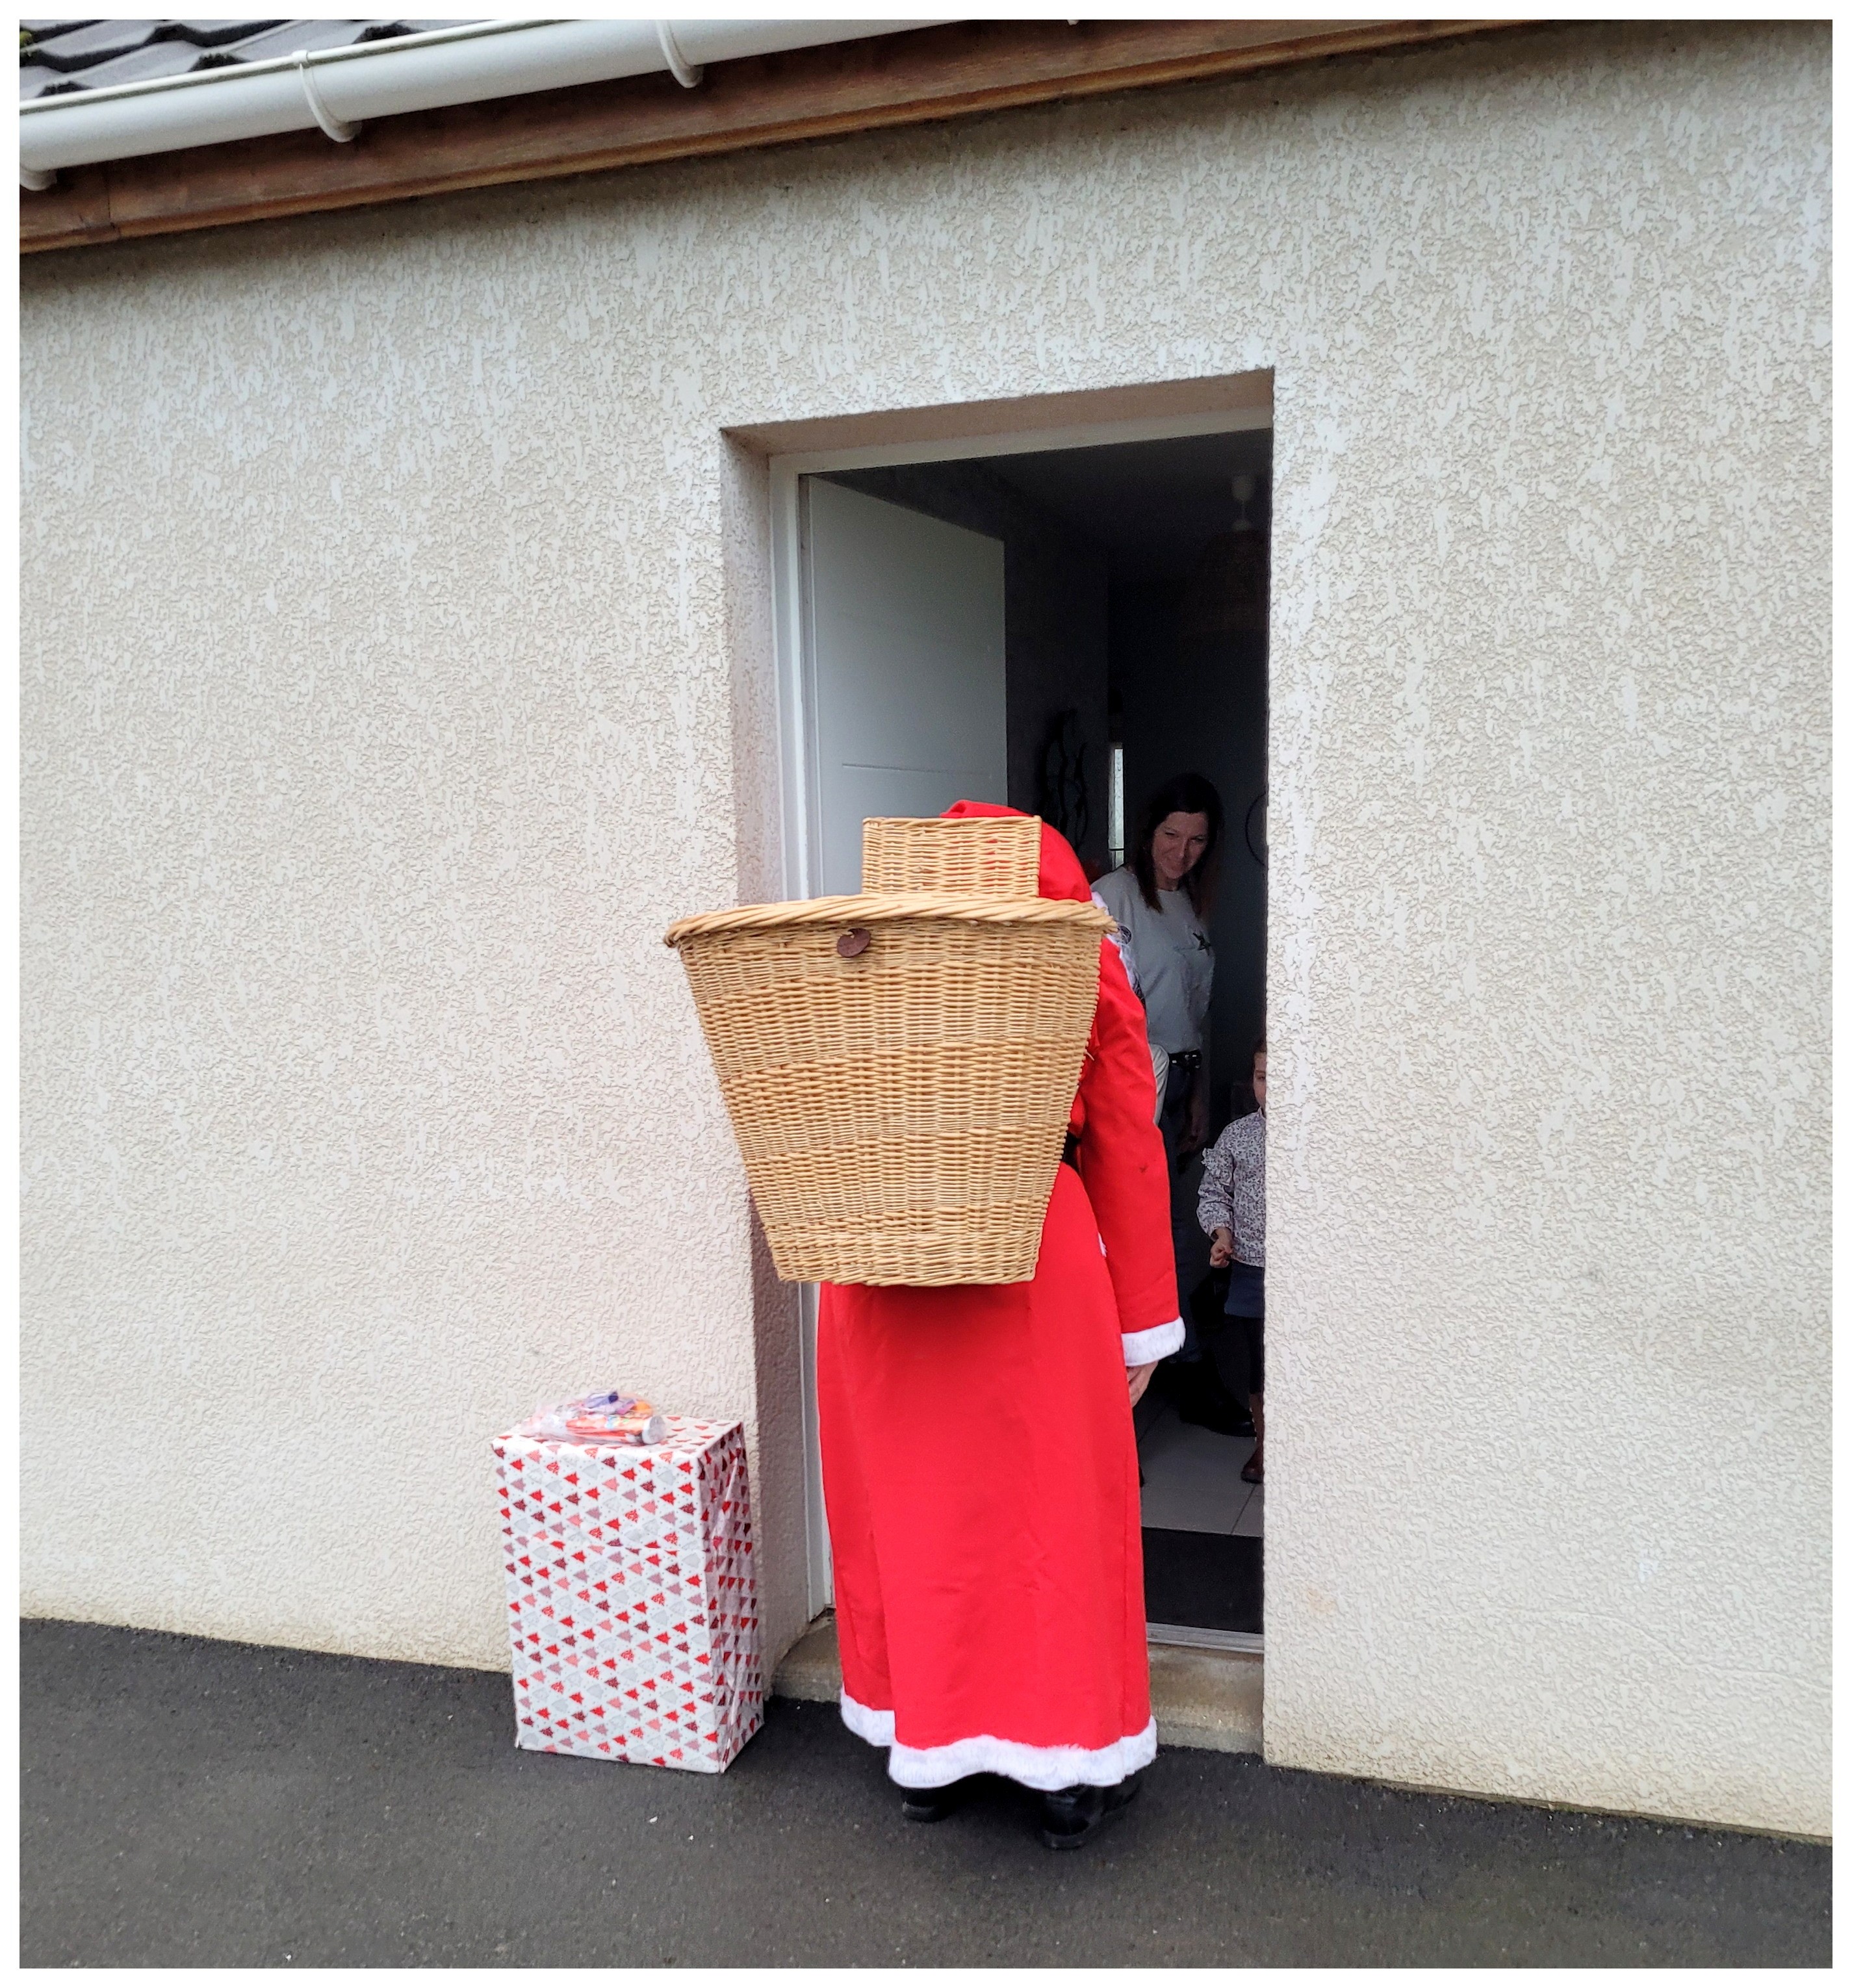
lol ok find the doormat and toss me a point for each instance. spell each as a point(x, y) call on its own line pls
point(1202, 1581)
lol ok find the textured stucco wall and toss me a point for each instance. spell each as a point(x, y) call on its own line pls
point(396, 666)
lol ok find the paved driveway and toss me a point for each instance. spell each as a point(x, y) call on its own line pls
point(195, 1803)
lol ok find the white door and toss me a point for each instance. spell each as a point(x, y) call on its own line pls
point(903, 620)
point(904, 627)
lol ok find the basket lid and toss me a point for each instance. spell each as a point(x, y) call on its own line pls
point(890, 907)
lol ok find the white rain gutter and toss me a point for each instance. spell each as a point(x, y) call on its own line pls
point(339, 89)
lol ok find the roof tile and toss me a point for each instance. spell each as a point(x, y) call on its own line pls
point(143, 65)
point(61, 57)
point(286, 39)
point(211, 34)
point(82, 48)
point(36, 78)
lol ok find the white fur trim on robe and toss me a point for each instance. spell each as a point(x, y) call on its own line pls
point(1140, 1348)
point(1044, 1767)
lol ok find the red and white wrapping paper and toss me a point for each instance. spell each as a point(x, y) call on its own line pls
point(632, 1611)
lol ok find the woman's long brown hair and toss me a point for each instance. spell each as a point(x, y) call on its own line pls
point(1186, 793)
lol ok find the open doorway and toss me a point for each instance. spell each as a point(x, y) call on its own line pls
point(1065, 629)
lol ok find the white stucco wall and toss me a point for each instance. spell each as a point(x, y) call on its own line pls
point(395, 668)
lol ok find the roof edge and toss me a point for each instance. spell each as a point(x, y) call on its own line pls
point(957, 69)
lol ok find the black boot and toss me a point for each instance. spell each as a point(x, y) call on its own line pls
point(934, 1804)
point(1071, 1816)
point(1203, 1400)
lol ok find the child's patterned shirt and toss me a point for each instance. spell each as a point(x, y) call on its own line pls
point(1234, 1192)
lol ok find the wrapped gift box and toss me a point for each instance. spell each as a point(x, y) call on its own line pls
point(632, 1612)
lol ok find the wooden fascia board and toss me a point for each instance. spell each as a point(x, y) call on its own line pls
point(959, 70)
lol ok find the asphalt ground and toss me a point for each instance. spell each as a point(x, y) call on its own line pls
point(194, 1804)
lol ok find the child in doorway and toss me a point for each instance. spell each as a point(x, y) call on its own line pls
point(1232, 1209)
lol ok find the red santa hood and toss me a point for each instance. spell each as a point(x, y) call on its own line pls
point(1060, 874)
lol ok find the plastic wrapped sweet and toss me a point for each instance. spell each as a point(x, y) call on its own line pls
point(612, 1417)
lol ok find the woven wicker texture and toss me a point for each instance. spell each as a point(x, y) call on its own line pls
point(986, 856)
point(899, 1071)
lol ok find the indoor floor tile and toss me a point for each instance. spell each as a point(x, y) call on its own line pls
point(1192, 1476)
point(1249, 1526)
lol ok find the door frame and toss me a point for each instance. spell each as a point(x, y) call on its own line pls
point(799, 796)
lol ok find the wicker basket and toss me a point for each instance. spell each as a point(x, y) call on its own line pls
point(980, 856)
point(899, 1070)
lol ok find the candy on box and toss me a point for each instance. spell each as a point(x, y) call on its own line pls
point(633, 1613)
point(611, 1417)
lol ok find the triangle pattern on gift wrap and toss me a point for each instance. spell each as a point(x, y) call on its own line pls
point(627, 1556)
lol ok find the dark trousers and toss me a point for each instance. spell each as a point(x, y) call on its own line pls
point(1236, 1345)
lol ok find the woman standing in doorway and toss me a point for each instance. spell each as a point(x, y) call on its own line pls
point(981, 1473)
point(1160, 901)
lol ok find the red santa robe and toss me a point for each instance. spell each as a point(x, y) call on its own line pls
point(980, 1469)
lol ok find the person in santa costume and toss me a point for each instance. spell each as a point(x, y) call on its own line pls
point(981, 1472)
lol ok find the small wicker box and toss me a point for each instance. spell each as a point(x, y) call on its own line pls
point(978, 856)
point(899, 1068)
